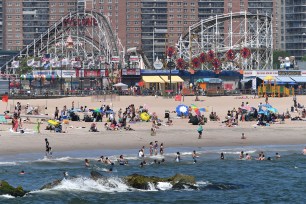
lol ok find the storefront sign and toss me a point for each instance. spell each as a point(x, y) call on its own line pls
point(92, 73)
point(134, 59)
point(289, 73)
point(115, 59)
point(158, 72)
point(66, 73)
point(130, 71)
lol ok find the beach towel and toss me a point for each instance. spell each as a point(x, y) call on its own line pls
point(3, 119)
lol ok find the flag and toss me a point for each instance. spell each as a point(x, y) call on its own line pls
point(15, 64)
point(30, 62)
point(178, 98)
point(5, 98)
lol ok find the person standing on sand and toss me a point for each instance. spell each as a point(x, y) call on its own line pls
point(200, 130)
point(56, 112)
point(161, 149)
point(242, 136)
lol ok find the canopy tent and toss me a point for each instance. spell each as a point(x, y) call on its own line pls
point(174, 79)
point(120, 85)
point(152, 79)
point(272, 80)
point(299, 79)
point(209, 80)
point(285, 79)
point(245, 80)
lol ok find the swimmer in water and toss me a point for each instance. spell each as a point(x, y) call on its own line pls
point(178, 157)
point(248, 157)
point(241, 156)
point(87, 163)
point(277, 156)
point(66, 174)
point(304, 151)
point(194, 156)
point(22, 172)
point(222, 156)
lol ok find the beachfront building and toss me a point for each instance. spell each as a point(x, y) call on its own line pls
point(292, 14)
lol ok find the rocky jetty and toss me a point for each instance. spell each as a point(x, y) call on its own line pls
point(7, 189)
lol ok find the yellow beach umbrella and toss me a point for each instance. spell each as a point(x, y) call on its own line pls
point(53, 122)
point(145, 116)
point(269, 78)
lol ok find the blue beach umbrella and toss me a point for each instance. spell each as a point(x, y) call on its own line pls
point(182, 110)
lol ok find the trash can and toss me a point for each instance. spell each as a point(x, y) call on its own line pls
point(167, 114)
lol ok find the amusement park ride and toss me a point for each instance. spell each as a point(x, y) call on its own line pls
point(233, 41)
point(85, 43)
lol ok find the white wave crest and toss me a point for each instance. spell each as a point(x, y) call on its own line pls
point(111, 184)
point(6, 196)
point(8, 164)
point(163, 186)
point(151, 187)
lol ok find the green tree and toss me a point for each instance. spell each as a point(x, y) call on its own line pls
point(276, 55)
point(304, 58)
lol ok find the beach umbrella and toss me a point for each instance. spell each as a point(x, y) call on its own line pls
point(273, 110)
point(181, 109)
point(145, 116)
point(269, 78)
point(53, 122)
point(97, 110)
point(199, 81)
point(261, 112)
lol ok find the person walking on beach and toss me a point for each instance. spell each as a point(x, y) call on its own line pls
point(48, 148)
point(200, 130)
point(151, 148)
point(242, 136)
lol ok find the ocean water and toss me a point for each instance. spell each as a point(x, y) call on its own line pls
point(277, 181)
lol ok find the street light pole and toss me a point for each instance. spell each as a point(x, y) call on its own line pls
point(153, 45)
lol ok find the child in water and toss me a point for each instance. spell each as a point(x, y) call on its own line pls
point(178, 157)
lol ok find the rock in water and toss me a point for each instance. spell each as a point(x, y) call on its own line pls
point(6, 188)
point(182, 178)
point(51, 185)
point(96, 175)
point(142, 182)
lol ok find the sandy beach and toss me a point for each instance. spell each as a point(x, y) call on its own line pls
point(180, 134)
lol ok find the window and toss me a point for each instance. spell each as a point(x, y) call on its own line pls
point(61, 4)
point(17, 4)
point(17, 29)
point(18, 17)
point(9, 23)
point(136, 22)
point(9, 17)
point(109, 7)
point(62, 10)
point(17, 23)
point(101, 7)
point(9, 42)
point(110, 1)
